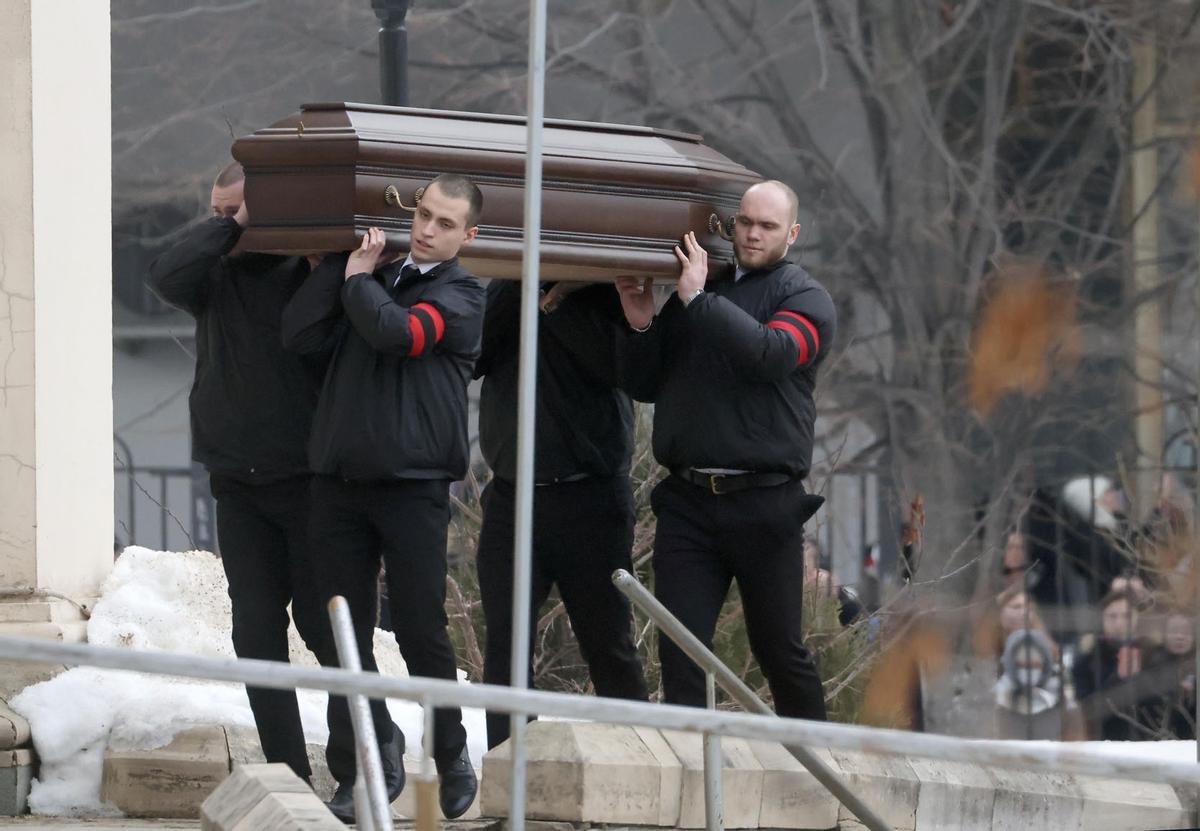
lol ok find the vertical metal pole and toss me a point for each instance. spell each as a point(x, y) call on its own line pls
point(1195, 524)
point(362, 806)
point(527, 380)
point(370, 767)
point(427, 783)
point(714, 802)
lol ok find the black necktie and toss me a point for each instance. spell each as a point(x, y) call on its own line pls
point(409, 272)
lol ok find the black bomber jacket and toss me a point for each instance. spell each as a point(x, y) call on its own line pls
point(251, 402)
point(394, 402)
point(732, 373)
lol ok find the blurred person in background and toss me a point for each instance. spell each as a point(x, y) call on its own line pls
point(1173, 673)
point(1015, 563)
point(1108, 674)
point(1014, 609)
point(1029, 698)
point(1073, 536)
point(820, 582)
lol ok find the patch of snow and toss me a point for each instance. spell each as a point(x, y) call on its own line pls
point(174, 602)
point(1162, 751)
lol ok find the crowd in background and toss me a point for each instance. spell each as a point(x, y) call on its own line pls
point(1093, 628)
point(1091, 622)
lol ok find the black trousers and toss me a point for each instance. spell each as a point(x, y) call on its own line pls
point(355, 527)
point(754, 536)
point(582, 531)
point(262, 531)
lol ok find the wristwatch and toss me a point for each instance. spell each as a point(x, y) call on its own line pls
point(687, 301)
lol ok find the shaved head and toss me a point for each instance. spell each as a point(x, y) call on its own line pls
point(765, 224)
point(230, 174)
point(793, 201)
point(228, 190)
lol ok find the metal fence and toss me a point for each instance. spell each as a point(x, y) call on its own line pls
point(161, 507)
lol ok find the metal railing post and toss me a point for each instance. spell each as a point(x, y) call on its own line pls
point(427, 782)
point(670, 626)
point(714, 800)
point(527, 400)
point(364, 820)
point(370, 766)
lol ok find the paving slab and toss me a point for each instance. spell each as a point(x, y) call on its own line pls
point(168, 781)
point(1126, 805)
point(953, 795)
point(886, 783)
point(243, 789)
point(581, 772)
point(14, 729)
point(670, 772)
point(1027, 800)
point(16, 776)
point(288, 812)
point(791, 796)
point(741, 774)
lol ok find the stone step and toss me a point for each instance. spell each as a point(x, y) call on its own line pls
point(14, 729)
point(16, 775)
point(591, 773)
point(580, 774)
point(265, 798)
point(168, 781)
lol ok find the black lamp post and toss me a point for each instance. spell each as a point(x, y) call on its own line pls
point(393, 51)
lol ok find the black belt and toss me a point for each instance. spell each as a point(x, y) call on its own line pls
point(563, 480)
point(719, 483)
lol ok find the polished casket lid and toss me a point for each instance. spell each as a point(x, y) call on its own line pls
point(616, 198)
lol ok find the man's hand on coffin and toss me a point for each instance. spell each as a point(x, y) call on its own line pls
point(364, 258)
point(550, 300)
point(242, 216)
point(695, 268)
point(637, 300)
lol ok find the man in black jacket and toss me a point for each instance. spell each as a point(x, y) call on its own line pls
point(731, 367)
point(251, 409)
point(583, 504)
point(389, 435)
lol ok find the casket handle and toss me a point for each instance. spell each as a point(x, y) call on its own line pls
point(721, 227)
point(391, 195)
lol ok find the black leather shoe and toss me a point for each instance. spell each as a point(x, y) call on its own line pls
point(391, 755)
point(342, 804)
point(457, 785)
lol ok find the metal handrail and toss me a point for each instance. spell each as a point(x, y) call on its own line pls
point(371, 807)
point(670, 626)
point(1048, 758)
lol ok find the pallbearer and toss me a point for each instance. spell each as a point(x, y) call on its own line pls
point(390, 434)
point(251, 408)
point(582, 502)
point(731, 367)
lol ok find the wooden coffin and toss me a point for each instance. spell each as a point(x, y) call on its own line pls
point(616, 198)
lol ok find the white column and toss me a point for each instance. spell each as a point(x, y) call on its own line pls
point(56, 462)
